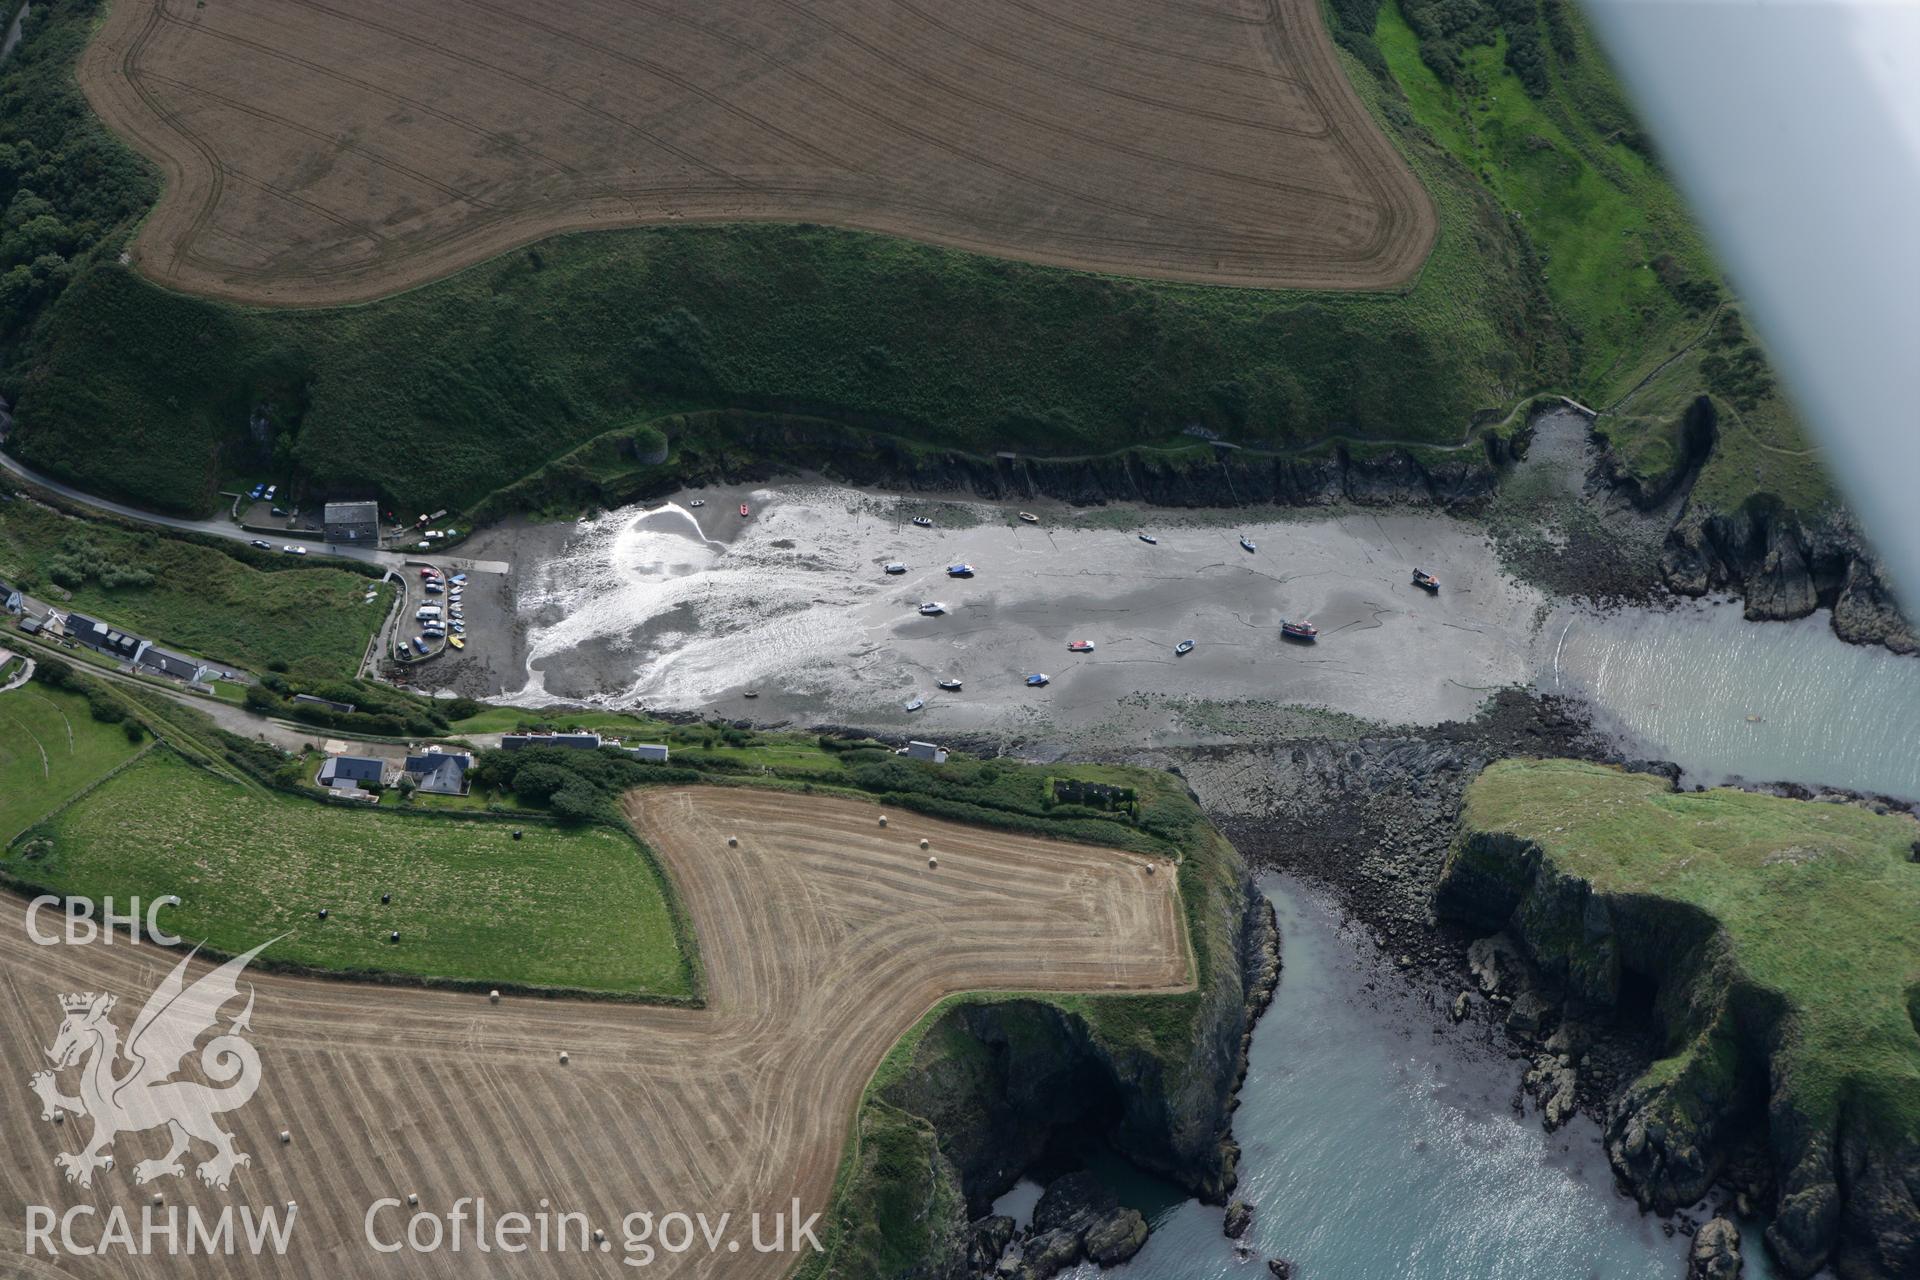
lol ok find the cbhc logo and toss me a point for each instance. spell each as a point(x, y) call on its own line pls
point(83, 924)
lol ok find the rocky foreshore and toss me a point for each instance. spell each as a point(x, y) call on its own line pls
point(1375, 818)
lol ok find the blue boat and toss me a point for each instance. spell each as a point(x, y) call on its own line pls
point(1036, 681)
point(959, 571)
point(1247, 545)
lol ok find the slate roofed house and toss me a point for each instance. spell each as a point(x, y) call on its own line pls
point(655, 752)
point(577, 741)
point(102, 638)
point(440, 773)
point(11, 598)
point(925, 751)
point(191, 670)
point(352, 522)
point(352, 769)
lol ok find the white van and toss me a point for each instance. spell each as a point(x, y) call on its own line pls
point(426, 611)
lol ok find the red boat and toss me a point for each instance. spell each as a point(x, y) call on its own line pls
point(1298, 630)
point(1080, 646)
point(743, 509)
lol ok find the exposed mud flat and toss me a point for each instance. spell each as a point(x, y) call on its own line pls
point(677, 608)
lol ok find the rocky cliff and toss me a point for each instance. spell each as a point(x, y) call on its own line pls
point(1844, 1181)
point(745, 446)
point(996, 1084)
point(1786, 569)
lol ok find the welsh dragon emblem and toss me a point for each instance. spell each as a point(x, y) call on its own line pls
point(130, 1088)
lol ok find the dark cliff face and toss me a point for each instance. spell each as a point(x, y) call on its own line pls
point(1844, 1193)
point(742, 446)
point(1786, 570)
point(1001, 1082)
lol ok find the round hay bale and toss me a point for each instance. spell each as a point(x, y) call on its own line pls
point(564, 1059)
point(1149, 868)
point(394, 936)
point(494, 996)
point(733, 842)
point(516, 833)
point(158, 1198)
point(386, 899)
point(926, 844)
point(323, 913)
point(933, 862)
point(883, 819)
point(285, 1137)
point(412, 1200)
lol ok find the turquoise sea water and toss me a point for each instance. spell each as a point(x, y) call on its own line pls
point(1379, 1143)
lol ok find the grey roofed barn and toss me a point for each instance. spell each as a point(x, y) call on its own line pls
point(352, 522)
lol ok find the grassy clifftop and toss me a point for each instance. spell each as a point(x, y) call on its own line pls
point(1784, 937)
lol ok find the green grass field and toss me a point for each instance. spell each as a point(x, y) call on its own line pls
point(1819, 903)
point(181, 594)
point(51, 749)
point(579, 908)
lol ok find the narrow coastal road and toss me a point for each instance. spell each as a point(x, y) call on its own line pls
point(218, 528)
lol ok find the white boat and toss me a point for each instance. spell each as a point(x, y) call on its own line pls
point(922, 522)
point(1247, 545)
point(1027, 517)
point(932, 609)
point(698, 502)
point(896, 567)
point(1184, 647)
point(950, 685)
point(1149, 539)
point(916, 704)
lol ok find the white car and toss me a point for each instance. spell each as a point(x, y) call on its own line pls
point(294, 551)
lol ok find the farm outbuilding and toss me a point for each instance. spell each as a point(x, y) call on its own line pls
point(356, 522)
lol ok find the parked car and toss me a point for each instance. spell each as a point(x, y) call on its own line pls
point(419, 644)
point(263, 544)
point(292, 550)
point(271, 490)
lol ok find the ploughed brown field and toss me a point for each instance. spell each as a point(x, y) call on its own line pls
point(824, 937)
point(321, 151)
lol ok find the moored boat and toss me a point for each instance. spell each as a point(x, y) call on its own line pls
point(916, 704)
point(1149, 539)
point(1426, 581)
point(743, 509)
point(950, 685)
point(959, 571)
point(698, 502)
point(1298, 630)
point(1079, 646)
point(1246, 544)
point(896, 568)
point(1027, 517)
point(1184, 647)
point(1036, 680)
point(922, 522)
point(932, 609)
